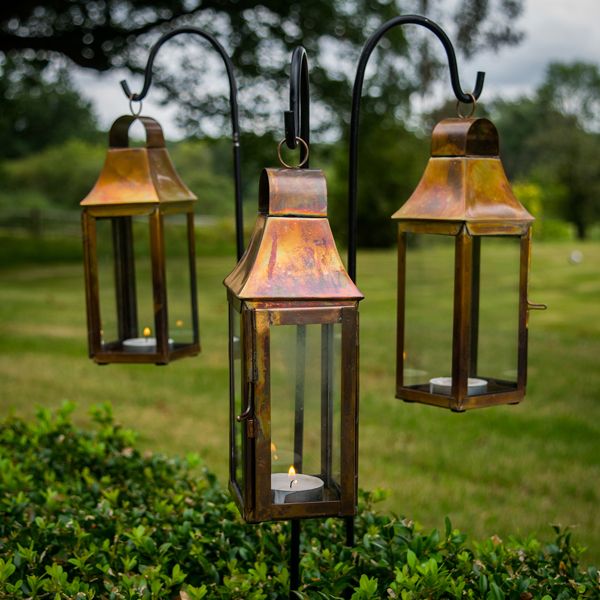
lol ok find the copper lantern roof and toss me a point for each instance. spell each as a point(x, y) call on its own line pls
point(142, 175)
point(465, 182)
point(292, 253)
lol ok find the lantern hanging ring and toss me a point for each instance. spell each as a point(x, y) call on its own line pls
point(303, 160)
point(235, 127)
point(138, 112)
point(356, 96)
point(473, 106)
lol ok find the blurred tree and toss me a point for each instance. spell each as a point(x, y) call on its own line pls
point(105, 34)
point(573, 89)
point(387, 174)
point(553, 139)
point(61, 174)
point(37, 112)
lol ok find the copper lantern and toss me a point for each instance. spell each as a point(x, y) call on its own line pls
point(293, 349)
point(138, 230)
point(463, 262)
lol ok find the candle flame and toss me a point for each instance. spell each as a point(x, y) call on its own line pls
point(147, 331)
point(273, 447)
point(179, 323)
point(404, 355)
point(291, 471)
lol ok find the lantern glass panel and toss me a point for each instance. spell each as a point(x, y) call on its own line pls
point(125, 281)
point(429, 306)
point(495, 313)
point(109, 328)
point(237, 399)
point(305, 369)
point(143, 281)
point(179, 280)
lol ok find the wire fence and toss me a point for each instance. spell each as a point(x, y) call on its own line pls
point(37, 222)
point(46, 222)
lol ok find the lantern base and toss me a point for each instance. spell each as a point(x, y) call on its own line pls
point(114, 352)
point(498, 392)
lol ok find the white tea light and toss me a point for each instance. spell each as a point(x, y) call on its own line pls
point(296, 488)
point(443, 385)
point(142, 344)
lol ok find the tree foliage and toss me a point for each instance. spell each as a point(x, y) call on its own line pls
point(106, 34)
point(39, 111)
point(553, 138)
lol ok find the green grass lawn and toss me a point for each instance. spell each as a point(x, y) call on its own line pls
point(507, 470)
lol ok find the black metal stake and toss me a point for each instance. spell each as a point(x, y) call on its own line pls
point(235, 127)
point(354, 122)
point(294, 557)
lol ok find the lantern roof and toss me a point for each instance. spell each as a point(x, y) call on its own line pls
point(143, 175)
point(464, 180)
point(292, 254)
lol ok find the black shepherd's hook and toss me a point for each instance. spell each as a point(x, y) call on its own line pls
point(235, 127)
point(297, 119)
point(357, 93)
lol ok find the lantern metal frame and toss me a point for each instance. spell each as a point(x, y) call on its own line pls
point(124, 260)
point(291, 274)
point(153, 190)
point(464, 194)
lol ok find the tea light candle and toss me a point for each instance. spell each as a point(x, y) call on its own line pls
point(295, 487)
point(443, 385)
point(142, 344)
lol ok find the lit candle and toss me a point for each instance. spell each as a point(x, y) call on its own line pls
point(443, 385)
point(142, 344)
point(295, 487)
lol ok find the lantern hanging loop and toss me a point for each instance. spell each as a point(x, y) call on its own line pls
point(536, 306)
point(297, 118)
point(235, 127)
point(357, 93)
point(472, 111)
point(304, 150)
point(138, 112)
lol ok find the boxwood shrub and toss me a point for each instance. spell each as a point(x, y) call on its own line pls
point(84, 514)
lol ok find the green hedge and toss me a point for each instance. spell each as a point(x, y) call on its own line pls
point(86, 515)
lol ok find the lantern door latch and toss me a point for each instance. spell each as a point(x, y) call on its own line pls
point(248, 411)
point(536, 306)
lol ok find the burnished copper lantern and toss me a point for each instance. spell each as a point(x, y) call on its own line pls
point(138, 231)
point(463, 264)
point(293, 315)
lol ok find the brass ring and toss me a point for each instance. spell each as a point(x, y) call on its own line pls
point(139, 112)
point(473, 105)
point(298, 139)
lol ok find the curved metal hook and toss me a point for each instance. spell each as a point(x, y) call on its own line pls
point(237, 172)
point(356, 96)
point(297, 118)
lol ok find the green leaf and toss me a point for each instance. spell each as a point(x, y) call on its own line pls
point(411, 559)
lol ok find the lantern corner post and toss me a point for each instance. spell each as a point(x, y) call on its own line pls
point(461, 336)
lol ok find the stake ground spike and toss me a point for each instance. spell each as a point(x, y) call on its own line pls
point(235, 127)
point(294, 557)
